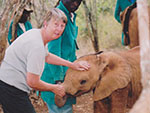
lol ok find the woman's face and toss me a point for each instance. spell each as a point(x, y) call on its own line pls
point(55, 28)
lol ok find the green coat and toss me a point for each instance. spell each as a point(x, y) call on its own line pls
point(27, 25)
point(64, 47)
point(120, 7)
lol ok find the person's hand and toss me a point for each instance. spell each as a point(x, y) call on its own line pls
point(59, 90)
point(81, 65)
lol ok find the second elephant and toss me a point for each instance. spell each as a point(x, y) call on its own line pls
point(130, 25)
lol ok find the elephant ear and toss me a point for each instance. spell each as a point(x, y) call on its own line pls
point(115, 75)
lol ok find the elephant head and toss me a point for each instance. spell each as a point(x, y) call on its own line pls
point(109, 71)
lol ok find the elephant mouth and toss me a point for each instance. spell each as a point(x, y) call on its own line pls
point(80, 92)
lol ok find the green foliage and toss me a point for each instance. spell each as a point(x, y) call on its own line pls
point(109, 30)
point(105, 6)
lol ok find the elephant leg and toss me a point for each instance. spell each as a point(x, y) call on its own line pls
point(119, 100)
point(102, 106)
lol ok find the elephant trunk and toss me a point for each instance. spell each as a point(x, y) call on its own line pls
point(60, 101)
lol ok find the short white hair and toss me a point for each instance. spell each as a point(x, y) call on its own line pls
point(56, 14)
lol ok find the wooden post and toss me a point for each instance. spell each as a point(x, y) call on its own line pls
point(142, 105)
point(92, 24)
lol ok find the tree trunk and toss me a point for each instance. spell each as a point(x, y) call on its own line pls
point(91, 19)
point(9, 7)
point(3, 28)
point(142, 105)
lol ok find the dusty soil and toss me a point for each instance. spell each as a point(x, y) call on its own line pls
point(84, 104)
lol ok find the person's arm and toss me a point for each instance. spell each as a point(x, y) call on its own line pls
point(117, 11)
point(53, 59)
point(34, 82)
point(35, 64)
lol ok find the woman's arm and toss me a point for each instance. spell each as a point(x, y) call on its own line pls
point(53, 59)
point(34, 82)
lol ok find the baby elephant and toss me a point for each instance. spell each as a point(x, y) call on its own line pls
point(114, 77)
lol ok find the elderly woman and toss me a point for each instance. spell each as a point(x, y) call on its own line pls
point(20, 70)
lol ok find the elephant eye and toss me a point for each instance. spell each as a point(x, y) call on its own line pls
point(83, 82)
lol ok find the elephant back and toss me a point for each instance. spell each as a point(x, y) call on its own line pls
point(133, 59)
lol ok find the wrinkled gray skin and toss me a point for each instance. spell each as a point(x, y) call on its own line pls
point(114, 78)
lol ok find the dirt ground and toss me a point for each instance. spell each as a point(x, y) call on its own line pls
point(84, 104)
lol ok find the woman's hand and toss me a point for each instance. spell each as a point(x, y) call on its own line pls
point(81, 65)
point(58, 90)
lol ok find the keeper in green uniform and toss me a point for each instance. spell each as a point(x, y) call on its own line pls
point(22, 26)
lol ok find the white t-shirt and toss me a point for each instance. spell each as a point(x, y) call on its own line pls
point(26, 54)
